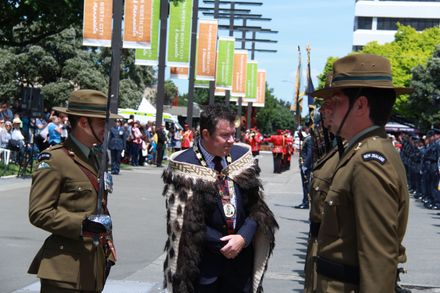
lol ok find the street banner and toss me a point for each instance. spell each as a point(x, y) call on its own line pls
point(179, 34)
point(251, 81)
point(239, 73)
point(200, 83)
point(150, 56)
point(225, 63)
point(97, 23)
point(206, 49)
point(219, 92)
point(179, 72)
point(137, 24)
point(261, 88)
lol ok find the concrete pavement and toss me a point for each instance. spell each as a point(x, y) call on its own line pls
point(138, 213)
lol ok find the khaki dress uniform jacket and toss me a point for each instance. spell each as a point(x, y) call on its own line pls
point(321, 178)
point(365, 216)
point(61, 197)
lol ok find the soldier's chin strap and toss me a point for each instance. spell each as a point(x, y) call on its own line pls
point(89, 120)
point(339, 140)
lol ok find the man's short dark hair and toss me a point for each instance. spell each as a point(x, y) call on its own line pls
point(380, 101)
point(212, 114)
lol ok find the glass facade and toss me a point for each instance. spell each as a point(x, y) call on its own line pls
point(363, 23)
point(390, 24)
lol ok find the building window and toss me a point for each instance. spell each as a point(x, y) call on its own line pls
point(363, 23)
point(357, 48)
point(390, 24)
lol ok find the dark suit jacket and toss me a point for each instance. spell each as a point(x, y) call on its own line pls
point(117, 141)
point(213, 263)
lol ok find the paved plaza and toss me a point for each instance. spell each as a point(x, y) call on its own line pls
point(138, 212)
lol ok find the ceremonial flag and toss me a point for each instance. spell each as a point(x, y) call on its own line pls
point(261, 89)
point(97, 28)
point(179, 33)
point(179, 72)
point(296, 106)
point(239, 73)
point(206, 49)
point(137, 24)
point(309, 90)
point(150, 56)
point(251, 81)
point(225, 63)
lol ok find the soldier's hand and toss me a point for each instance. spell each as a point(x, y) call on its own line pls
point(93, 227)
point(234, 244)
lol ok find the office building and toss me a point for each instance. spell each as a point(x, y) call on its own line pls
point(376, 20)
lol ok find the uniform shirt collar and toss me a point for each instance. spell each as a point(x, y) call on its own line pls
point(355, 138)
point(84, 149)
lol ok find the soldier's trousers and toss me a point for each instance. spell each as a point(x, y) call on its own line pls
point(47, 288)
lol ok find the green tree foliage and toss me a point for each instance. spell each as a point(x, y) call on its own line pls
point(425, 101)
point(59, 64)
point(408, 50)
point(24, 22)
point(171, 91)
point(275, 114)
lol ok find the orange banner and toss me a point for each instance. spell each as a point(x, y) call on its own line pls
point(239, 72)
point(206, 49)
point(179, 72)
point(97, 29)
point(220, 92)
point(137, 24)
point(261, 88)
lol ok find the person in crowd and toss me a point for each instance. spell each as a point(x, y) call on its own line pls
point(306, 166)
point(161, 143)
point(5, 111)
point(187, 137)
point(116, 144)
point(136, 146)
point(278, 142)
point(253, 138)
point(215, 212)
point(78, 254)
point(5, 134)
point(54, 130)
point(365, 212)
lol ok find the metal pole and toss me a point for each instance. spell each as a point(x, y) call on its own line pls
point(249, 107)
point(212, 83)
point(164, 10)
point(113, 94)
point(231, 34)
point(192, 62)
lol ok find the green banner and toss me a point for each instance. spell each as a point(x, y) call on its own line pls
point(225, 63)
point(150, 56)
point(201, 83)
point(179, 34)
point(251, 81)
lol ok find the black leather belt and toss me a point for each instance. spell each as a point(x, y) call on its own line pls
point(337, 271)
point(314, 229)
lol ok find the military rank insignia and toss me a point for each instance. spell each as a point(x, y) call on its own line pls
point(374, 156)
point(44, 156)
point(43, 165)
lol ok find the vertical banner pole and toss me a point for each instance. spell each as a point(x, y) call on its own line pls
point(192, 62)
point(164, 8)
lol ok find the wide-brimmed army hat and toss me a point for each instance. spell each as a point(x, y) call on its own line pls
point(87, 103)
point(359, 71)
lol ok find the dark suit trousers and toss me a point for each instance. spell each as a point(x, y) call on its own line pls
point(116, 160)
point(227, 284)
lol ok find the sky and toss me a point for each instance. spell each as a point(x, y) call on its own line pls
point(326, 25)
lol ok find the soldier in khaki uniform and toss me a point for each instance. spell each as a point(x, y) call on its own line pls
point(63, 196)
point(365, 211)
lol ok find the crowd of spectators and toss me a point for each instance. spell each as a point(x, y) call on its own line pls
point(143, 144)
